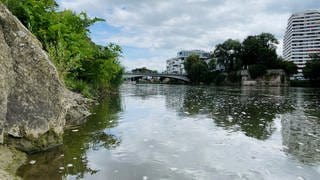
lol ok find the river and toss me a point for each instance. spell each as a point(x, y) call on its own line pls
point(182, 132)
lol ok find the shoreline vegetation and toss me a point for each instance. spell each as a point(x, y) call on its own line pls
point(256, 54)
point(94, 70)
point(235, 63)
point(36, 115)
point(85, 67)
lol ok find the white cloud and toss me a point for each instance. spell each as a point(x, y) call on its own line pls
point(169, 26)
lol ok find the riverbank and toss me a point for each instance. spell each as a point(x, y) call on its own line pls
point(10, 160)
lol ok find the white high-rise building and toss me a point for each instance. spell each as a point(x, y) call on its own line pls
point(175, 65)
point(302, 38)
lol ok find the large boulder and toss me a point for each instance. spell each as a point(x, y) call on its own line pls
point(33, 102)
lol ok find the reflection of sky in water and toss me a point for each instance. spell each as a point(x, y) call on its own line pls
point(181, 132)
point(157, 143)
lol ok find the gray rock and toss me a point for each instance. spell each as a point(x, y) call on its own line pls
point(33, 102)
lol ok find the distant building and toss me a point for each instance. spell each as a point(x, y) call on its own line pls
point(302, 38)
point(175, 65)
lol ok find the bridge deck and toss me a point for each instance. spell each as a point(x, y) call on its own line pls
point(172, 76)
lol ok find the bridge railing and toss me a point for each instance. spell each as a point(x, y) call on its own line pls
point(171, 74)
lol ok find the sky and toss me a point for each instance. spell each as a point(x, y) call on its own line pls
point(152, 31)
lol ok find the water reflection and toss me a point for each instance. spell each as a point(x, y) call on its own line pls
point(301, 128)
point(186, 132)
point(247, 109)
point(71, 158)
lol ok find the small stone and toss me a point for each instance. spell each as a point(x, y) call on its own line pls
point(69, 165)
point(300, 178)
point(32, 162)
point(144, 178)
point(75, 130)
point(74, 158)
point(61, 168)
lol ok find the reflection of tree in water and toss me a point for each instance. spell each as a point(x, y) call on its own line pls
point(91, 135)
point(249, 110)
point(301, 128)
point(174, 94)
point(144, 90)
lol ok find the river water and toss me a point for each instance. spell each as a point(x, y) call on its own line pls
point(190, 132)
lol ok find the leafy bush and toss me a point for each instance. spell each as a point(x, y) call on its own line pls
point(312, 68)
point(85, 67)
point(79, 87)
point(220, 78)
point(234, 77)
point(196, 69)
point(257, 70)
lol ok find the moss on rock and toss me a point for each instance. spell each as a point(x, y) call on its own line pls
point(11, 160)
point(31, 144)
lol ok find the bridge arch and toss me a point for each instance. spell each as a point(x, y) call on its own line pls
point(171, 76)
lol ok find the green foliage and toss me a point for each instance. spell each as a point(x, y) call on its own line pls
point(315, 56)
point(212, 64)
point(219, 79)
point(258, 52)
point(196, 69)
point(85, 67)
point(312, 69)
point(228, 54)
point(260, 49)
point(143, 70)
point(257, 70)
point(288, 66)
point(234, 77)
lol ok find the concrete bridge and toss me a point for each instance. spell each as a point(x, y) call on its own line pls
point(171, 76)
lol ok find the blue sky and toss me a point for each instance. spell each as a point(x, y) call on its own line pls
point(151, 31)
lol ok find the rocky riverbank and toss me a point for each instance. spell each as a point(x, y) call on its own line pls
point(11, 160)
point(35, 106)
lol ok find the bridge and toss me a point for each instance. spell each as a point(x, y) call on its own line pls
point(171, 76)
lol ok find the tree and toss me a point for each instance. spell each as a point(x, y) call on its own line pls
point(228, 54)
point(196, 69)
point(257, 70)
point(84, 66)
point(260, 49)
point(312, 68)
point(212, 64)
point(143, 70)
point(288, 66)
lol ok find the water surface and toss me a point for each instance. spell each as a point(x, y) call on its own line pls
point(191, 132)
